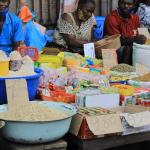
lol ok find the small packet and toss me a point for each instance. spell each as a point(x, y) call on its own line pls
point(15, 61)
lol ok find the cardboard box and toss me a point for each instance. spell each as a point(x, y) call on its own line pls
point(135, 119)
point(94, 125)
point(98, 100)
point(122, 120)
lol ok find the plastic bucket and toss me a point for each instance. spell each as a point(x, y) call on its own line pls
point(99, 31)
point(100, 20)
point(4, 68)
point(32, 84)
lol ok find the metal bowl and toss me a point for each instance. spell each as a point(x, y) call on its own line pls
point(38, 132)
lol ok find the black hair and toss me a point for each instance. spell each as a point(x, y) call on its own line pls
point(81, 3)
point(120, 1)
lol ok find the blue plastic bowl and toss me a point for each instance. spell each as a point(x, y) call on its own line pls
point(32, 83)
point(39, 132)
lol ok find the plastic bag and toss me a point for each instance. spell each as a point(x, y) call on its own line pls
point(141, 54)
point(33, 37)
point(15, 65)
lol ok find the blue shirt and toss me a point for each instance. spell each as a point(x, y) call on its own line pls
point(12, 31)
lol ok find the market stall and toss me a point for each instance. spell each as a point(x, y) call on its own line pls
point(94, 101)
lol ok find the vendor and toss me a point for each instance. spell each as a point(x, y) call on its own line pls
point(123, 21)
point(75, 29)
point(11, 33)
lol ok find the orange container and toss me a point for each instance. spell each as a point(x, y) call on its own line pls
point(67, 98)
point(58, 99)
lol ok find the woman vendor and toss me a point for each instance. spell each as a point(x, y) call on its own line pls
point(11, 33)
point(75, 29)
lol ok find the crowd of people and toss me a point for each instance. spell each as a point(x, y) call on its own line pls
point(76, 28)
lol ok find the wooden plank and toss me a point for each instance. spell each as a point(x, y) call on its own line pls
point(107, 142)
point(58, 145)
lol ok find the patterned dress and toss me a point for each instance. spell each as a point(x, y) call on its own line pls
point(83, 32)
point(144, 15)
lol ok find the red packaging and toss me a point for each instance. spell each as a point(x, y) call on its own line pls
point(29, 51)
point(84, 132)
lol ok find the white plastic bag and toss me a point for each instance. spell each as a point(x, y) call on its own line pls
point(141, 54)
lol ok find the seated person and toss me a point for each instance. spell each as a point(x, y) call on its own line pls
point(75, 29)
point(144, 14)
point(11, 33)
point(124, 22)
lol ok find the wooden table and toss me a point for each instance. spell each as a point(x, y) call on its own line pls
point(58, 145)
point(75, 143)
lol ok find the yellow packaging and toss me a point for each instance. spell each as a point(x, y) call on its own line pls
point(51, 59)
point(119, 78)
point(50, 65)
point(61, 55)
point(125, 90)
point(4, 68)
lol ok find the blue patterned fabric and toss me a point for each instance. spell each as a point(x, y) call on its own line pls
point(144, 15)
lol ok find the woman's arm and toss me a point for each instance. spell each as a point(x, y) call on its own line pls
point(73, 41)
point(139, 39)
